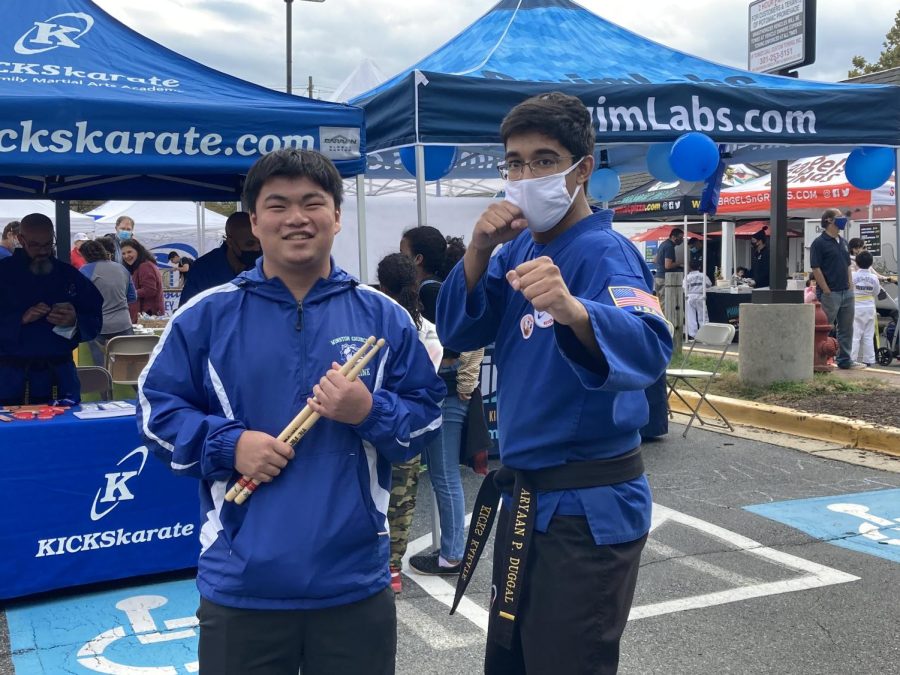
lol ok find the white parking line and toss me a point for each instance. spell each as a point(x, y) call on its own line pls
point(813, 575)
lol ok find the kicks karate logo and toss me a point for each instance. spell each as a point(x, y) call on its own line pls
point(62, 30)
point(116, 489)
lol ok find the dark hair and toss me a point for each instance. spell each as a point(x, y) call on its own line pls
point(456, 249)
point(695, 265)
point(856, 242)
point(11, 227)
point(93, 251)
point(429, 243)
point(292, 163)
point(143, 254)
point(744, 269)
point(397, 278)
point(173, 254)
point(122, 219)
point(759, 235)
point(556, 115)
point(107, 241)
point(864, 259)
point(675, 232)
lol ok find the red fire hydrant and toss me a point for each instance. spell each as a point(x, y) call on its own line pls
point(825, 348)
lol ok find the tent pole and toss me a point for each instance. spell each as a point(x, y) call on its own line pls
point(703, 266)
point(778, 227)
point(420, 184)
point(897, 212)
point(361, 223)
point(63, 231)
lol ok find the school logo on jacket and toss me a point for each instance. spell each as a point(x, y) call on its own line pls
point(527, 325)
point(347, 346)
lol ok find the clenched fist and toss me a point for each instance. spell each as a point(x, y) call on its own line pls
point(541, 283)
point(501, 222)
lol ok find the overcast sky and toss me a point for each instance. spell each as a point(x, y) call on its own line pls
point(246, 38)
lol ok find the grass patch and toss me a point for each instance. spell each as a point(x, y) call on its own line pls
point(729, 384)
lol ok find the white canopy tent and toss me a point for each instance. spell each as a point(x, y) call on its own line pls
point(163, 226)
point(388, 216)
point(16, 209)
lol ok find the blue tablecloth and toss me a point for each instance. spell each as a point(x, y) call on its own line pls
point(83, 501)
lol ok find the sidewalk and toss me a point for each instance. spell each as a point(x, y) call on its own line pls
point(862, 420)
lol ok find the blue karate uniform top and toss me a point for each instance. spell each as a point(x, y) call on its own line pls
point(556, 404)
point(19, 290)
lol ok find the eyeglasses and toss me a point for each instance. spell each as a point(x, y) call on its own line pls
point(514, 169)
point(37, 245)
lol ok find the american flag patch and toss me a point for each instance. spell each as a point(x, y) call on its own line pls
point(642, 301)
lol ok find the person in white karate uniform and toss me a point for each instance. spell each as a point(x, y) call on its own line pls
point(695, 309)
point(866, 288)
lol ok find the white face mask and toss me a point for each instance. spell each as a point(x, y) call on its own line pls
point(545, 200)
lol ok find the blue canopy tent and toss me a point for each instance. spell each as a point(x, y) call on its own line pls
point(639, 92)
point(91, 109)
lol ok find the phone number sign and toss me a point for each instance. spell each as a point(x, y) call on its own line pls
point(781, 34)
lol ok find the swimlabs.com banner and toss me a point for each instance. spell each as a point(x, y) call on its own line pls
point(652, 116)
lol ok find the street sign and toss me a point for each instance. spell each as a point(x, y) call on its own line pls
point(782, 35)
point(870, 233)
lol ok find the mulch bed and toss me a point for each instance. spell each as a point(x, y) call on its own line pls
point(881, 405)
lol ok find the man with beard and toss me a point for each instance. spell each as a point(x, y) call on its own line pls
point(237, 254)
point(46, 308)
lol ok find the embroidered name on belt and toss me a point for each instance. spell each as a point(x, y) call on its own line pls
point(504, 600)
point(635, 298)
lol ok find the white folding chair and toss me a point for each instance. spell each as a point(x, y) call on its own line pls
point(126, 356)
point(714, 336)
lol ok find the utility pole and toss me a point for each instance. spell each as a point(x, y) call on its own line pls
point(288, 40)
point(310, 87)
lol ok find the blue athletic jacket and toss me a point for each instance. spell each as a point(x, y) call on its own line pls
point(245, 355)
point(555, 404)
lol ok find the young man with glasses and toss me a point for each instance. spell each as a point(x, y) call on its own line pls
point(46, 309)
point(579, 337)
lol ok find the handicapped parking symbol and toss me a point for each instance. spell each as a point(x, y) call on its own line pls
point(872, 526)
point(143, 629)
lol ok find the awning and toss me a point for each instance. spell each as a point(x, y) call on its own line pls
point(662, 232)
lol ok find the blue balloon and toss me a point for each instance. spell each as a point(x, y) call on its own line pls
point(658, 163)
point(604, 185)
point(439, 160)
point(694, 156)
point(869, 168)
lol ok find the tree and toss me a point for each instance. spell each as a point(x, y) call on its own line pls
point(889, 58)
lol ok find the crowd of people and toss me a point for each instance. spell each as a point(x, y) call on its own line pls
point(304, 576)
point(578, 339)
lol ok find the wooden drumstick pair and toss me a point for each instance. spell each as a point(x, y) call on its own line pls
point(306, 418)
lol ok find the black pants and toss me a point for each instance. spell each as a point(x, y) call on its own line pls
point(574, 605)
point(357, 638)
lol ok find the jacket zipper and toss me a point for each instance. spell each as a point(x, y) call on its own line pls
point(299, 324)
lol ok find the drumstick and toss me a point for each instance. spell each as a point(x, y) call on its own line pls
point(302, 423)
point(301, 417)
point(313, 418)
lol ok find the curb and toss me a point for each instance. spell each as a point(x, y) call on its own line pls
point(850, 432)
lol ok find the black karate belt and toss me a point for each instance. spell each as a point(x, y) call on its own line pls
point(523, 485)
point(32, 364)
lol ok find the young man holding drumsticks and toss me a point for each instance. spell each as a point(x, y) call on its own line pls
point(578, 337)
point(298, 577)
